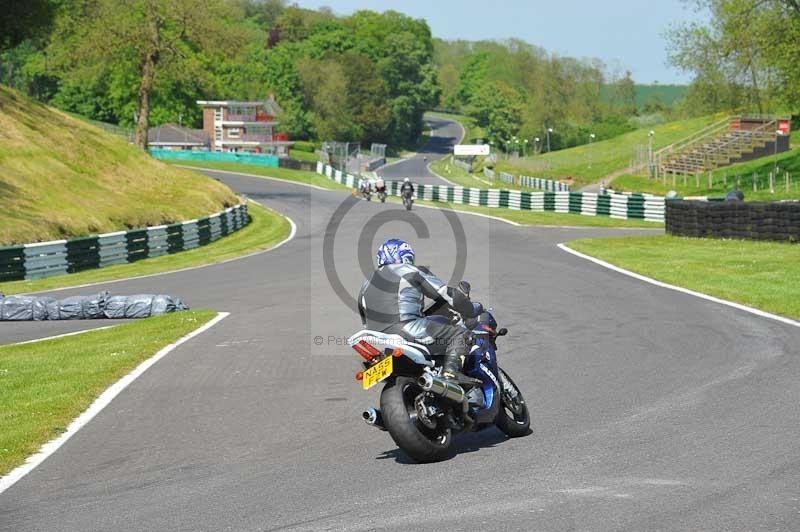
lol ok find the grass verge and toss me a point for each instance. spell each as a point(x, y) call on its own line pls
point(266, 229)
point(45, 385)
point(586, 164)
point(607, 156)
point(724, 179)
point(542, 218)
point(299, 176)
point(765, 275)
point(445, 168)
point(300, 155)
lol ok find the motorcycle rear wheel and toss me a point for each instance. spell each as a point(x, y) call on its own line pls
point(513, 419)
point(400, 417)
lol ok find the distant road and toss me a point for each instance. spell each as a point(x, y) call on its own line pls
point(446, 133)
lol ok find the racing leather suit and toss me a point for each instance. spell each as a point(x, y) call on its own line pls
point(406, 186)
point(392, 301)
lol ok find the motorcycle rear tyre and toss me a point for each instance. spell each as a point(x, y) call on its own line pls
point(399, 417)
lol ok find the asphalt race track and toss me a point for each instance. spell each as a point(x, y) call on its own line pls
point(651, 409)
point(446, 133)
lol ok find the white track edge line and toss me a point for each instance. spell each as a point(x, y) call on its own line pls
point(74, 333)
point(97, 406)
point(640, 277)
point(111, 281)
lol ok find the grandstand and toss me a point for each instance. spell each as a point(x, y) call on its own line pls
point(732, 140)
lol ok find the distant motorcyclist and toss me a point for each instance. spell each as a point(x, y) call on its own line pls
point(380, 189)
point(407, 186)
point(407, 193)
point(392, 301)
point(365, 188)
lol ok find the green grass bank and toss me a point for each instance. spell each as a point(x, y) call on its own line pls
point(61, 177)
point(764, 275)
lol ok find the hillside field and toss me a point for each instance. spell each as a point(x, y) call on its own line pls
point(587, 164)
point(61, 177)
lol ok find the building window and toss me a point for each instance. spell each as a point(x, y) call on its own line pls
point(234, 133)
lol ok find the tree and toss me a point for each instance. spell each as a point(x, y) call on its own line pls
point(262, 12)
point(136, 42)
point(749, 48)
point(550, 89)
point(498, 108)
point(472, 77)
point(623, 94)
point(402, 50)
point(19, 21)
point(291, 25)
point(367, 97)
point(325, 89)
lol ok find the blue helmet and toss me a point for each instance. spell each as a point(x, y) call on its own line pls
point(395, 251)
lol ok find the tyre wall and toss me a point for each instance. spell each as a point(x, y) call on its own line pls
point(45, 259)
point(776, 221)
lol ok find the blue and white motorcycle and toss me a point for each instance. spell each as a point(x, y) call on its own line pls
point(423, 411)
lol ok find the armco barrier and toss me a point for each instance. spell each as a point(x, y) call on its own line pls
point(777, 221)
point(622, 206)
point(550, 185)
point(544, 184)
point(464, 165)
point(45, 259)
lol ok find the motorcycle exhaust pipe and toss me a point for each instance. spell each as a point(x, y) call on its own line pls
point(440, 386)
point(373, 417)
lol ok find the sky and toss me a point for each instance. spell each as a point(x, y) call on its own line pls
point(625, 34)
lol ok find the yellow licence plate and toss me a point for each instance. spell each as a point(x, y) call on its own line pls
point(377, 373)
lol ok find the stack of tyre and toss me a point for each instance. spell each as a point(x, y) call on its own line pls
point(773, 221)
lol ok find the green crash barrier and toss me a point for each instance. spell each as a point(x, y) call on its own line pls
point(44, 259)
point(12, 263)
point(271, 161)
point(624, 206)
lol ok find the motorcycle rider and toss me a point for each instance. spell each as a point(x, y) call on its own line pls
point(392, 301)
point(365, 187)
point(406, 186)
point(380, 185)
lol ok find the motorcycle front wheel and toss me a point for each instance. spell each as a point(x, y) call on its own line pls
point(513, 418)
point(415, 436)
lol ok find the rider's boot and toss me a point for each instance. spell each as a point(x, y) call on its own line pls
point(451, 369)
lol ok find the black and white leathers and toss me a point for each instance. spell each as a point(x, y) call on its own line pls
point(393, 300)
